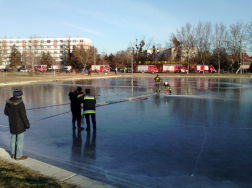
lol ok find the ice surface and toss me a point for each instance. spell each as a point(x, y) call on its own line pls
point(199, 136)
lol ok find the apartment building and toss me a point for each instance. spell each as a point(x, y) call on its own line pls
point(193, 51)
point(55, 46)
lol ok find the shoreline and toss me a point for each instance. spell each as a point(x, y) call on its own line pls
point(18, 78)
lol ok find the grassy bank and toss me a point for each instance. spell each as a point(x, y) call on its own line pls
point(14, 175)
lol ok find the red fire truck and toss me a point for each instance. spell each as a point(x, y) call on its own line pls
point(100, 68)
point(41, 68)
point(175, 68)
point(147, 68)
point(205, 68)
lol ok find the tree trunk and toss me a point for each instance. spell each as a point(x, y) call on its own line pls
point(219, 61)
point(202, 63)
point(188, 66)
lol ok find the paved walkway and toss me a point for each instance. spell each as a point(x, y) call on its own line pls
point(58, 173)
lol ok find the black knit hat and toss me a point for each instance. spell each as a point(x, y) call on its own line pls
point(79, 89)
point(87, 91)
point(17, 93)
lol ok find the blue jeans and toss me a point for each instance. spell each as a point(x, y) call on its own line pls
point(17, 142)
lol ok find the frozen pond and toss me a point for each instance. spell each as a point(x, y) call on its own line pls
point(200, 136)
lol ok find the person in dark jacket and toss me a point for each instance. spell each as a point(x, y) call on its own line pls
point(76, 108)
point(18, 122)
point(89, 102)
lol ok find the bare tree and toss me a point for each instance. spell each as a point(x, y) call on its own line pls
point(249, 35)
point(204, 31)
point(84, 55)
point(219, 39)
point(186, 36)
point(237, 41)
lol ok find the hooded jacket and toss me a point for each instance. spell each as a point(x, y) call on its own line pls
point(15, 110)
point(75, 103)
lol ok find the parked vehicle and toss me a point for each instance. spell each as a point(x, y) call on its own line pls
point(174, 68)
point(24, 70)
point(81, 70)
point(100, 68)
point(67, 68)
point(147, 68)
point(56, 67)
point(206, 68)
point(41, 68)
point(3, 68)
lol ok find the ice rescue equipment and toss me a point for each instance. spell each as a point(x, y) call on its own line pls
point(141, 99)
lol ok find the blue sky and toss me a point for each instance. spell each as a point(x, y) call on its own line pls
point(113, 25)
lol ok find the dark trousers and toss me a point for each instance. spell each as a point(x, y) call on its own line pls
point(88, 120)
point(76, 116)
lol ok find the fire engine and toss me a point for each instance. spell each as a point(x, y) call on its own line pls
point(100, 68)
point(41, 68)
point(175, 68)
point(205, 68)
point(147, 68)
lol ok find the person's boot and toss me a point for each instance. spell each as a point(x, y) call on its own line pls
point(74, 127)
point(22, 158)
point(80, 128)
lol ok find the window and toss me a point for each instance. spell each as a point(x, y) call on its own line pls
point(35, 41)
point(29, 41)
point(81, 40)
point(61, 41)
point(74, 40)
point(55, 52)
point(17, 41)
point(24, 47)
point(42, 47)
point(48, 41)
point(11, 42)
point(55, 41)
point(24, 41)
point(55, 46)
point(41, 41)
point(48, 47)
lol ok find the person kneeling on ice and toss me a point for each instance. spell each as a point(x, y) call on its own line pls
point(89, 102)
point(167, 86)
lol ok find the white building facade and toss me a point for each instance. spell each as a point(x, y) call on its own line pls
point(55, 46)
